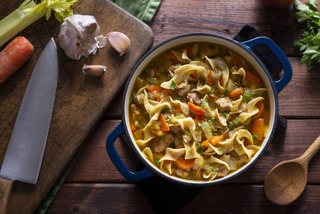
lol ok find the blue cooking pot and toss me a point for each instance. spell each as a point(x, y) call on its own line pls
point(245, 49)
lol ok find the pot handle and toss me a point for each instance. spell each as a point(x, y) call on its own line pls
point(286, 77)
point(114, 156)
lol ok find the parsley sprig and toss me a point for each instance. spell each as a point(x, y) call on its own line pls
point(309, 43)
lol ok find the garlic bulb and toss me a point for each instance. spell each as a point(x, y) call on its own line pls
point(79, 36)
point(94, 70)
point(119, 41)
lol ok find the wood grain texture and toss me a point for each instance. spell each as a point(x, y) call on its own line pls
point(226, 198)
point(226, 18)
point(80, 101)
point(5, 194)
point(299, 99)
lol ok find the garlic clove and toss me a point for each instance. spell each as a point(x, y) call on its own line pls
point(94, 70)
point(119, 41)
point(79, 36)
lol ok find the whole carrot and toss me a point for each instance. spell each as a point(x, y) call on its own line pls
point(17, 52)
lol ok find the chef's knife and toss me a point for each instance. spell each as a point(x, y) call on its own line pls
point(23, 158)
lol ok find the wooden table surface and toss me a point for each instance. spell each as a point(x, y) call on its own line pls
point(94, 184)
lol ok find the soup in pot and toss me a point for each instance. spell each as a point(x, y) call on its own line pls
point(199, 111)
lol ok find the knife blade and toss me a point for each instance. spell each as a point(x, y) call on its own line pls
point(24, 154)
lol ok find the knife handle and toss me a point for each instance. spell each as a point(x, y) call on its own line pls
point(5, 194)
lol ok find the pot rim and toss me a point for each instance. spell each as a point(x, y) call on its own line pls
point(232, 175)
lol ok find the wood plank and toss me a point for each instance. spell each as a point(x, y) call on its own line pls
point(95, 165)
point(231, 198)
point(127, 198)
point(99, 198)
point(300, 98)
point(226, 18)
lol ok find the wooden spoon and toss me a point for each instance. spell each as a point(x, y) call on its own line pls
point(286, 181)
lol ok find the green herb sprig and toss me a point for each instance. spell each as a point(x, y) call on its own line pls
point(309, 43)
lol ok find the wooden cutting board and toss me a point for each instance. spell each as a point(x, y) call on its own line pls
point(80, 101)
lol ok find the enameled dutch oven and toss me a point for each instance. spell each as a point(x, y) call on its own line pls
point(244, 49)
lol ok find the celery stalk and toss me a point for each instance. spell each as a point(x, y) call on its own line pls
point(29, 12)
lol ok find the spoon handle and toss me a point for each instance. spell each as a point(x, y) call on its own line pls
point(311, 151)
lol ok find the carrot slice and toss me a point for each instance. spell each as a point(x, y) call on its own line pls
point(158, 132)
point(213, 141)
point(213, 96)
point(222, 81)
point(198, 118)
point(205, 144)
point(133, 127)
point(258, 128)
point(216, 139)
point(185, 163)
point(195, 109)
point(169, 55)
point(210, 81)
point(236, 93)
point(157, 90)
point(253, 78)
point(153, 88)
point(177, 109)
point(260, 106)
point(194, 75)
point(17, 52)
point(164, 126)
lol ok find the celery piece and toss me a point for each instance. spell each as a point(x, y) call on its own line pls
point(29, 12)
point(180, 116)
point(152, 80)
point(186, 132)
point(206, 129)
